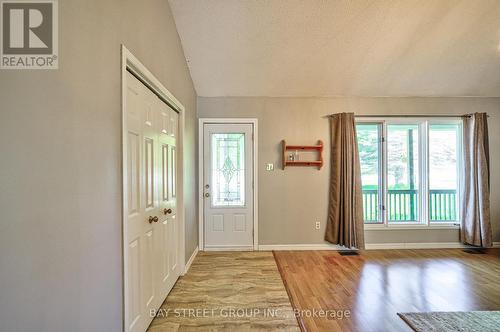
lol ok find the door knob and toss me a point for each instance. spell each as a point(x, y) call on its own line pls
point(152, 219)
point(207, 195)
point(167, 211)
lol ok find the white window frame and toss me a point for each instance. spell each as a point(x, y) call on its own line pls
point(423, 174)
point(381, 167)
point(460, 170)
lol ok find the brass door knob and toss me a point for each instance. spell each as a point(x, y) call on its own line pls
point(167, 211)
point(152, 219)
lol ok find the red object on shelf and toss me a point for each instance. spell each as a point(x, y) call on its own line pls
point(315, 163)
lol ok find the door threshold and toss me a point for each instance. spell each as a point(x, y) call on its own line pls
point(229, 248)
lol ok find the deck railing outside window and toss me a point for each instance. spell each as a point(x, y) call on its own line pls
point(443, 205)
point(403, 205)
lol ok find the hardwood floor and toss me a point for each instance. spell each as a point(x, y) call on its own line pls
point(228, 291)
point(378, 284)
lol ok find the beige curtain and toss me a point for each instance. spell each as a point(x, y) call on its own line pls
point(345, 211)
point(475, 224)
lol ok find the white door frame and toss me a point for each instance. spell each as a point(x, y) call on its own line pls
point(254, 122)
point(130, 63)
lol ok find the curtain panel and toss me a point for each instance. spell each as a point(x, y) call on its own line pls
point(345, 211)
point(475, 222)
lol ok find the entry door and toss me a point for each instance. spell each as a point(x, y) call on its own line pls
point(152, 230)
point(228, 186)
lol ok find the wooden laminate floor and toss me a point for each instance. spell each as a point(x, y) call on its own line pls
point(228, 291)
point(374, 286)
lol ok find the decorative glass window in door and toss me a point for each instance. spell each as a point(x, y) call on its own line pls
point(228, 169)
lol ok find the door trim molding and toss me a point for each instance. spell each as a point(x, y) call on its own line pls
point(255, 124)
point(130, 63)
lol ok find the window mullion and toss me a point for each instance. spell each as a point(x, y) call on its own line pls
point(383, 174)
point(424, 176)
point(460, 172)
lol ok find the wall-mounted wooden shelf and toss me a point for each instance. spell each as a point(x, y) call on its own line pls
point(315, 163)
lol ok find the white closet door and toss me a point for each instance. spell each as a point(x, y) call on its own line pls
point(168, 249)
point(153, 235)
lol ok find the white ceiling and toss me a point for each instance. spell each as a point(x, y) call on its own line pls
point(341, 48)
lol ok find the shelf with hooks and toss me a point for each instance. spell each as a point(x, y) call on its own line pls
point(294, 161)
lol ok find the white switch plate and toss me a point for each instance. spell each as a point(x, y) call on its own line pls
point(318, 225)
point(269, 167)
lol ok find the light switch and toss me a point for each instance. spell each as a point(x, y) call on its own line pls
point(269, 167)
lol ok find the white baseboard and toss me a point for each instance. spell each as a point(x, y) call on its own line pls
point(416, 245)
point(325, 246)
point(369, 246)
point(190, 261)
point(426, 245)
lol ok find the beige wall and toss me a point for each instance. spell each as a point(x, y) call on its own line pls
point(291, 201)
point(60, 198)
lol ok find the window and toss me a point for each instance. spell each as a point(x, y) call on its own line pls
point(402, 172)
point(444, 140)
point(228, 165)
point(369, 144)
point(410, 170)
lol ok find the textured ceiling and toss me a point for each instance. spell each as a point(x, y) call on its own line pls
point(341, 48)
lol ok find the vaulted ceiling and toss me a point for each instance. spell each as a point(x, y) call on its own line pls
point(341, 47)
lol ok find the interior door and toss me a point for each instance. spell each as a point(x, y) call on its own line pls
point(152, 247)
point(228, 186)
point(168, 250)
